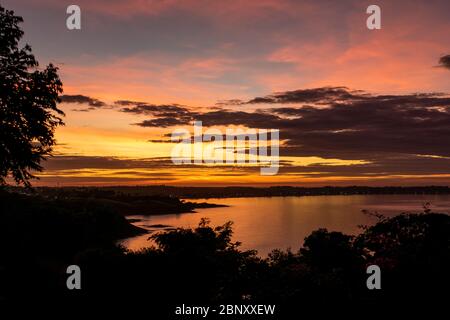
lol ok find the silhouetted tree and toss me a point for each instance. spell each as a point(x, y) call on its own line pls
point(413, 250)
point(28, 104)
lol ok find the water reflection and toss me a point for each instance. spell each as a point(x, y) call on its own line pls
point(282, 222)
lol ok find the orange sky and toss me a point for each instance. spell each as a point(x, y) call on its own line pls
point(196, 53)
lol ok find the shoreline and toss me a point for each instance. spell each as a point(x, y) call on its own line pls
point(312, 195)
point(189, 193)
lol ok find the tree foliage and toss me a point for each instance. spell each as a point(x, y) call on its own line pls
point(28, 105)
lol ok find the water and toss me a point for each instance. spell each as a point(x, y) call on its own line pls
point(283, 222)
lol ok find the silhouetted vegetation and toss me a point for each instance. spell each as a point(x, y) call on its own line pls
point(41, 237)
point(28, 104)
point(125, 203)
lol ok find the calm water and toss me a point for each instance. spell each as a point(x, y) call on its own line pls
point(282, 222)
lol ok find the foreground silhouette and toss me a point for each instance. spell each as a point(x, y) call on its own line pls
point(28, 105)
point(40, 237)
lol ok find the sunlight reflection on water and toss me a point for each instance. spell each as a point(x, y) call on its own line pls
point(282, 222)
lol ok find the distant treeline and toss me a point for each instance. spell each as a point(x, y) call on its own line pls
point(235, 192)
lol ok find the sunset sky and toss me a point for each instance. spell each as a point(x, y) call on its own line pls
point(353, 106)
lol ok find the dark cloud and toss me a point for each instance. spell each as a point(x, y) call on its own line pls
point(351, 125)
point(378, 165)
point(249, 119)
point(167, 117)
point(204, 137)
point(158, 166)
point(127, 103)
point(348, 124)
point(62, 162)
point(164, 122)
point(81, 99)
point(316, 95)
point(394, 133)
point(444, 61)
point(157, 110)
point(232, 102)
point(389, 164)
point(322, 95)
point(408, 124)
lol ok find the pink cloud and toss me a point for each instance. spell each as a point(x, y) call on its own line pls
point(230, 9)
point(399, 58)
